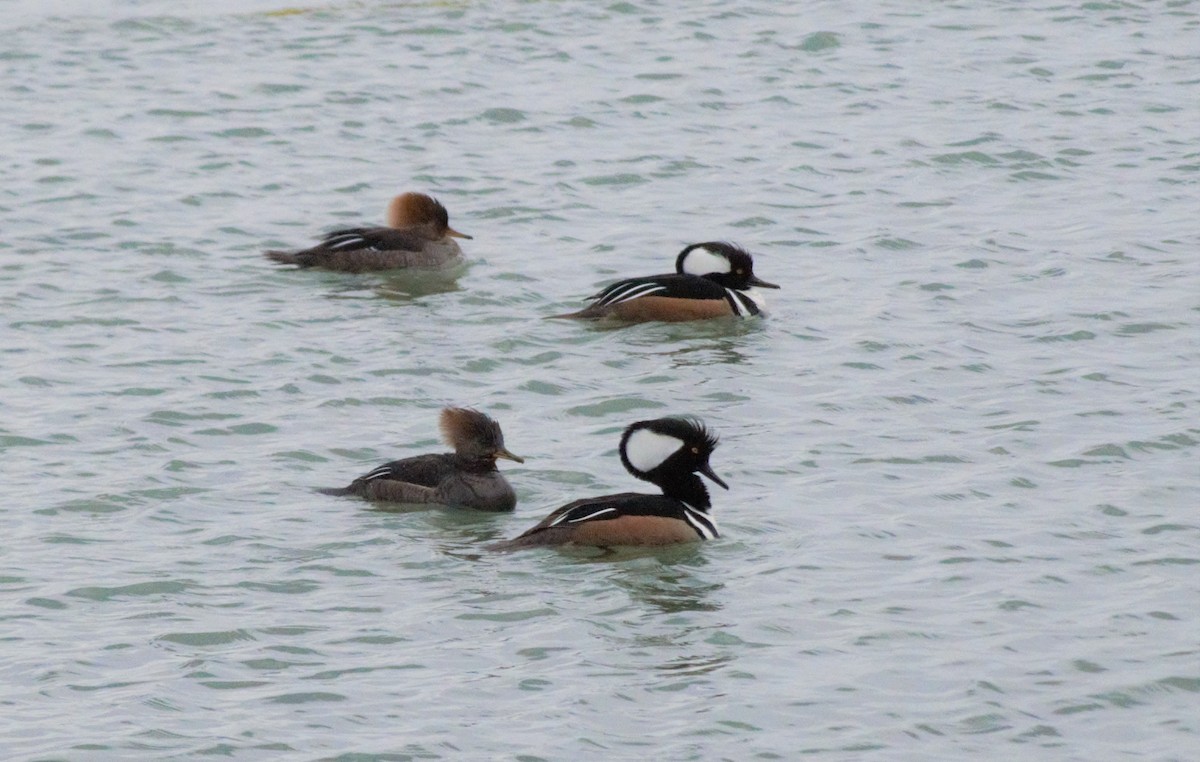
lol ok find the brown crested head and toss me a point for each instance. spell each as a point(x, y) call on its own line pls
point(416, 209)
point(474, 435)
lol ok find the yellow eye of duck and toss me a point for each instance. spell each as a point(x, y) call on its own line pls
point(696, 450)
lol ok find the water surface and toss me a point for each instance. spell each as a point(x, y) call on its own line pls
point(962, 447)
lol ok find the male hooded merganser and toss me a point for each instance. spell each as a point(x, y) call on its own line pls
point(418, 235)
point(467, 477)
point(668, 452)
point(711, 280)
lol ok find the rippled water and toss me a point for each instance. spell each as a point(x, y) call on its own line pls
point(962, 448)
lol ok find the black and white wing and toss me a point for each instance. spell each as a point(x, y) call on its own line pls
point(377, 239)
point(671, 286)
point(612, 507)
point(424, 470)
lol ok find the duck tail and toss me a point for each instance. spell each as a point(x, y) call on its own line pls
point(588, 313)
point(283, 257)
point(537, 537)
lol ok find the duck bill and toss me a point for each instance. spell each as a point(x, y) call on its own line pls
point(455, 234)
point(707, 471)
point(757, 281)
point(502, 453)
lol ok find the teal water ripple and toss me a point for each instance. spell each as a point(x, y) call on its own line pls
point(960, 448)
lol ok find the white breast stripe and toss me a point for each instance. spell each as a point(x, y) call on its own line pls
point(756, 295)
point(739, 308)
point(743, 302)
point(632, 291)
point(701, 522)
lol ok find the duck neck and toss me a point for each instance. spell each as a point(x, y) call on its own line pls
point(686, 488)
point(475, 464)
point(729, 280)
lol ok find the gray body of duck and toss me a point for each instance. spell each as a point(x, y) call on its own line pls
point(467, 477)
point(417, 236)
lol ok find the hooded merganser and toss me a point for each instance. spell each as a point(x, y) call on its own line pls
point(668, 452)
point(711, 280)
point(418, 235)
point(467, 477)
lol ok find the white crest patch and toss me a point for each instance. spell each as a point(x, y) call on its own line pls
point(703, 262)
point(646, 449)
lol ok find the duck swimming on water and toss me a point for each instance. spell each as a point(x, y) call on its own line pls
point(417, 236)
point(667, 452)
point(713, 279)
point(466, 477)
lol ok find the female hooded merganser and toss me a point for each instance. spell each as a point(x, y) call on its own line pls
point(668, 452)
point(418, 235)
point(467, 477)
point(711, 280)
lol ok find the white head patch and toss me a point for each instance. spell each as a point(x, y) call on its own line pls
point(646, 449)
point(701, 261)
